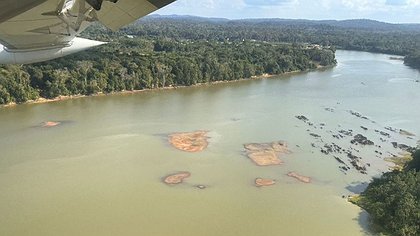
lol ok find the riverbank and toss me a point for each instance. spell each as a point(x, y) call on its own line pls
point(69, 97)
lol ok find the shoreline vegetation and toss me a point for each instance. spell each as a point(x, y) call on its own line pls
point(136, 59)
point(42, 100)
point(130, 65)
point(163, 52)
point(393, 200)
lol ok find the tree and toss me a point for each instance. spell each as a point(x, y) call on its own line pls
point(415, 163)
point(393, 200)
point(160, 60)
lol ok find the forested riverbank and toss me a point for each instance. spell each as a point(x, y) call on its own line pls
point(171, 51)
point(393, 200)
point(137, 64)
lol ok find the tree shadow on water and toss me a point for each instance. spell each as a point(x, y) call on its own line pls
point(357, 187)
point(366, 224)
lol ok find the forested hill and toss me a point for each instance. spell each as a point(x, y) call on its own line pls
point(362, 35)
point(348, 24)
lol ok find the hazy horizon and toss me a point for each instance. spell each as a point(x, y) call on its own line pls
point(389, 11)
point(274, 18)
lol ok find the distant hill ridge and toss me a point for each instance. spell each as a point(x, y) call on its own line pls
point(353, 24)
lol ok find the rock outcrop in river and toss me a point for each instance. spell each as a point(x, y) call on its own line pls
point(360, 139)
point(358, 144)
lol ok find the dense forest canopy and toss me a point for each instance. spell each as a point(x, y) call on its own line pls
point(364, 35)
point(393, 201)
point(148, 63)
point(169, 51)
point(360, 35)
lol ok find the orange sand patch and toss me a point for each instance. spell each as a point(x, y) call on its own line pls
point(266, 154)
point(189, 142)
point(260, 182)
point(176, 178)
point(49, 124)
point(301, 178)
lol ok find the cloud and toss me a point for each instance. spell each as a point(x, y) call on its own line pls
point(383, 10)
point(413, 2)
point(407, 3)
point(396, 2)
point(379, 5)
point(364, 5)
point(268, 2)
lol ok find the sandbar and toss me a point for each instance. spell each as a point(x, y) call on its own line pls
point(266, 154)
point(301, 178)
point(176, 178)
point(260, 182)
point(189, 142)
point(49, 124)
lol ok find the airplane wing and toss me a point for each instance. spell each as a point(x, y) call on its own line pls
point(28, 25)
point(115, 16)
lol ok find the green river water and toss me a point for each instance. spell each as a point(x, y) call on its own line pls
point(100, 171)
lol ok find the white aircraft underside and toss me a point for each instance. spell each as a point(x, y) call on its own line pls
point(40, 30)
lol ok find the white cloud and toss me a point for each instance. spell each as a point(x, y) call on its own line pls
point(364, 5)
point(413, 2)
point(269, 2)
point(383, 10)
point(326, 4)
point(380, 5)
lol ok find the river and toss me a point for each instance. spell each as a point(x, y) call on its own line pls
point(100, 171)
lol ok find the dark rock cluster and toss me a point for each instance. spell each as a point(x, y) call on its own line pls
point(357, 163)
point(357, 114)
point(403, 147)
point(345, 156)
point(360, 139)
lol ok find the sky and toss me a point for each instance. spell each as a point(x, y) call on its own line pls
point(394, 11)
